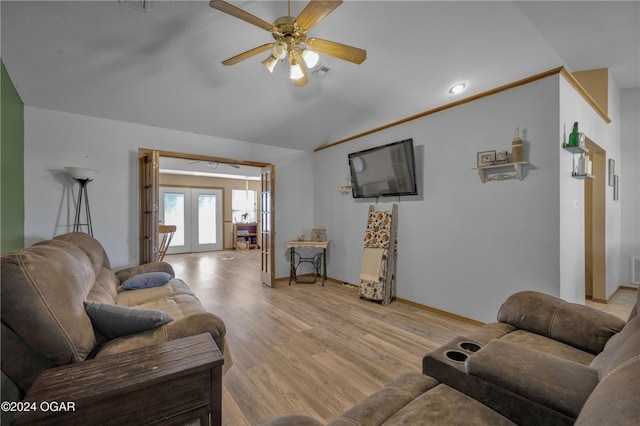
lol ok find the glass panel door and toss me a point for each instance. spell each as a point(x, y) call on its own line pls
point(206, 222)
point(197, 214)
point(266, 218)
point(173, 213)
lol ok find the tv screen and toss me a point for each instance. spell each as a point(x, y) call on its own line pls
point(384, 171)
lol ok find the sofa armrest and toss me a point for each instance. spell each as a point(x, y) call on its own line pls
point(554, 382)
point(194, 324)
point(126, 273)
point(577, 325)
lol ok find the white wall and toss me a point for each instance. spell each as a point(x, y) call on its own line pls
point(463, 246)
point(56, 139)
point(573, 108)
point(629, 182)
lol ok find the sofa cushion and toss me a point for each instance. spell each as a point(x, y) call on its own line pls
point(90, 246)
point(114, 321)
point(292, 420)
point(490, 331)
point(175, 298)
point(105, 289)
point(43, 288)
point(381, 405)
point(576, 325)
point(443, 405)
point(549, 380)
point(146, 280)
point(125, 274)
point(610, 357)
point(635, 309)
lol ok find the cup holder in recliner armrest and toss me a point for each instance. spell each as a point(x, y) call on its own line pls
point(456, 356)
point(469, 346)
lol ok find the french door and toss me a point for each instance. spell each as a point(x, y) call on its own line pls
point(267, 233)
point(197, 214)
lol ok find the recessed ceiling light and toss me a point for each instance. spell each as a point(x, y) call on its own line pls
point(457, 88)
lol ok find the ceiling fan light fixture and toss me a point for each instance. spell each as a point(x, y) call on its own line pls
point(295, 71)
point(310, 58)
point(270, 63)
point(279, 50)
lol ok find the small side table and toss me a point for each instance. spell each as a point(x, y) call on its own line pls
point(319, 260)
point(170, 383)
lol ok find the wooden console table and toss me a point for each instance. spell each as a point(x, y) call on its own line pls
point(170, 383)
point(319, 260)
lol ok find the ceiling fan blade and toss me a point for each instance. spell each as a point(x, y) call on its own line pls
point(315, 11)
point(247, 54)
point(338, 50)
point(230, 9)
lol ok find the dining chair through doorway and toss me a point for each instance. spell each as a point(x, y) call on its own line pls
point(165, 234)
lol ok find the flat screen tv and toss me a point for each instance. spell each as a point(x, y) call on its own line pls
point(384, 171)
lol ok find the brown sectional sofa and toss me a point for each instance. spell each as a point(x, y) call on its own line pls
point(544, 362)
point(45, 316)
point(540, 362)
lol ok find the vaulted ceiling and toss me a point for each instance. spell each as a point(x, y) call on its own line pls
point(162, 67)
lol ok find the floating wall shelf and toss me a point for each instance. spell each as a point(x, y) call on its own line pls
point(577, 176)
point(577, 149)
point(497, 171)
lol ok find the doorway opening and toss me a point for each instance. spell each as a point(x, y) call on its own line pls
point(595, 225)
point(152, 210)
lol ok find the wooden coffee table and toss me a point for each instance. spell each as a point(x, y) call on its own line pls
point(172, 383)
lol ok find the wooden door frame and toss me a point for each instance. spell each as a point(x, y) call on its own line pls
point(595, 192)
point(146, 242)
point(148, 193)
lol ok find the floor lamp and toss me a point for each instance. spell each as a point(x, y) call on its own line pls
point(83, 176)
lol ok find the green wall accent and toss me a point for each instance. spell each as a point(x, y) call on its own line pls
point(11, 165)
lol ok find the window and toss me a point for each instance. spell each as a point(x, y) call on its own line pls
point(243, 206)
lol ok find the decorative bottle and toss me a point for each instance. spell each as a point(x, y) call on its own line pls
point(582, 165)
point(516, 147)
point(574, 137)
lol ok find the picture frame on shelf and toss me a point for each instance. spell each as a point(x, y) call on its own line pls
point(612, 170)
point(502, 157)
point(319, 234)
point(486, 158)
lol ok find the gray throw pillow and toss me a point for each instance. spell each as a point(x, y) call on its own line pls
point(114, 320)
point(148, 279)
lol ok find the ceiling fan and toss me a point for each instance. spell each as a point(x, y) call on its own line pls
point(290, 34)
point(214, 165)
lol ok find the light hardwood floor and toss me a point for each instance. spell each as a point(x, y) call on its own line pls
point(305, 348)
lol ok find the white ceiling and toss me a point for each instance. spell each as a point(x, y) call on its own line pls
point(162, 67)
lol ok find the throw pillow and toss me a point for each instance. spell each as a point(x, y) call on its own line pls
point(114, 320)
point(149, 279)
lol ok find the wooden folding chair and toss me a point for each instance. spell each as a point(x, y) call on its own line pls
point(165, 233)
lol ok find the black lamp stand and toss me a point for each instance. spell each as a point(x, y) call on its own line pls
point(83, 194)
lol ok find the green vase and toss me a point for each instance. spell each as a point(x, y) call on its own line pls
point(574, 137)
